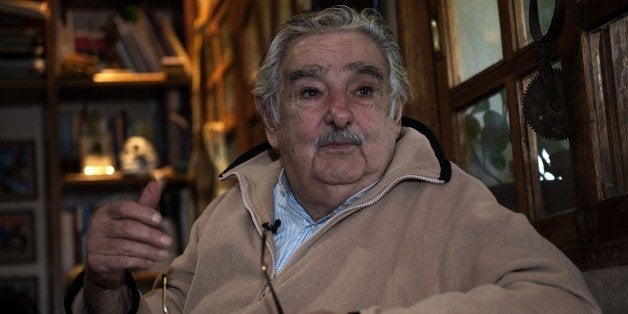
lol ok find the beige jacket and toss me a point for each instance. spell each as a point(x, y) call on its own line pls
point(412, 244)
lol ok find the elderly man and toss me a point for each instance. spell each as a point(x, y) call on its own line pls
point(359, 213)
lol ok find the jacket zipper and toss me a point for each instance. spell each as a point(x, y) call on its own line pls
point(259, 232)
point(356, 207)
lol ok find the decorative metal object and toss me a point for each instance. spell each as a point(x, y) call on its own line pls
point(543, 103)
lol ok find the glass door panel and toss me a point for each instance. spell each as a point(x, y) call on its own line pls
point(555, 177)
point(546, 11)
point(483, 133)
point(475, 37)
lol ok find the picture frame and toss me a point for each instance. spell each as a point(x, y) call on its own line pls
point(20, 293)
point(18, 175)
point(17, 236)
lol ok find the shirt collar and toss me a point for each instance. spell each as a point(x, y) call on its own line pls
point(285, 196)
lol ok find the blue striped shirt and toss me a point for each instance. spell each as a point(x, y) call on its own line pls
point(296, 224)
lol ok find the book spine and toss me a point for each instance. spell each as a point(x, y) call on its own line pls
point(140, 39)
point(129, 42)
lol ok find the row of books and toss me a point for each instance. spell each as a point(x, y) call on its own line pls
point(176, 206)
point(137, 39)
point(22, 39)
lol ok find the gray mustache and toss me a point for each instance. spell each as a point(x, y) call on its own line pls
point(340, 136)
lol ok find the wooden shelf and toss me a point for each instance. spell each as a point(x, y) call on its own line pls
point(134, 88)
point(124, 80)
point(81, 182)
point(108, 3)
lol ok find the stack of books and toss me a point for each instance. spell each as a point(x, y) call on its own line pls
point(22, 39)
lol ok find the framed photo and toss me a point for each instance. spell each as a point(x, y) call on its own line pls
point(17, 236)
point(19, 294)
point(17, 170)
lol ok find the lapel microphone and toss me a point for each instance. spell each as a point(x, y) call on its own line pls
point(272, 227)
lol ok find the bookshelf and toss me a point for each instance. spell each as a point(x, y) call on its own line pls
point(55, 61)
point(131, 82)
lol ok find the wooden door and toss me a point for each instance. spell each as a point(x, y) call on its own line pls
point(471, 63)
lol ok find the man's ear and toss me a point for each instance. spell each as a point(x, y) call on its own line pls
point(269, 124)
point(398, 114)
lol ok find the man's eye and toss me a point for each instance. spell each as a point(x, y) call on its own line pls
point(309, 93)
point(365, 91)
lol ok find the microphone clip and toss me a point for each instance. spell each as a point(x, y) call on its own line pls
point(272, 227)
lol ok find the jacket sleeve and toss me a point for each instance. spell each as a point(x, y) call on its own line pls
point(494, 261)
point(74, 300)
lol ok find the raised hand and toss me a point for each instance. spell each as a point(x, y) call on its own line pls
point(123, 236)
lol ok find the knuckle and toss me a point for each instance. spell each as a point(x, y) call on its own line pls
point(123, 248)
point(128, 225)
point(134, 262)
point(122, 227)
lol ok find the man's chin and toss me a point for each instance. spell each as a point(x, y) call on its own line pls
point(341, 175)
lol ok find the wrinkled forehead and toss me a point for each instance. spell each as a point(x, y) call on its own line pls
point(317, 55)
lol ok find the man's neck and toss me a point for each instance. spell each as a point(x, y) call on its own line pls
point(320, 202)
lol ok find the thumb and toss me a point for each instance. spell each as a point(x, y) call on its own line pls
point(151, 194)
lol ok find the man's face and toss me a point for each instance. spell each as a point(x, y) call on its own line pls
point(332, 83)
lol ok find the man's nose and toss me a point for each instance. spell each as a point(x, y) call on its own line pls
point(339, 110)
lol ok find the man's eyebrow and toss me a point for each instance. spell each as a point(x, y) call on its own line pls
point(308, 71)
point(316, 70)
point(366, 68)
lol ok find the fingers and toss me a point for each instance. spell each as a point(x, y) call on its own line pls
point(131, 210)
point(151, 194)
point(108, 263)
point(129, 229)
point(119, 254)
point(125, 244)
